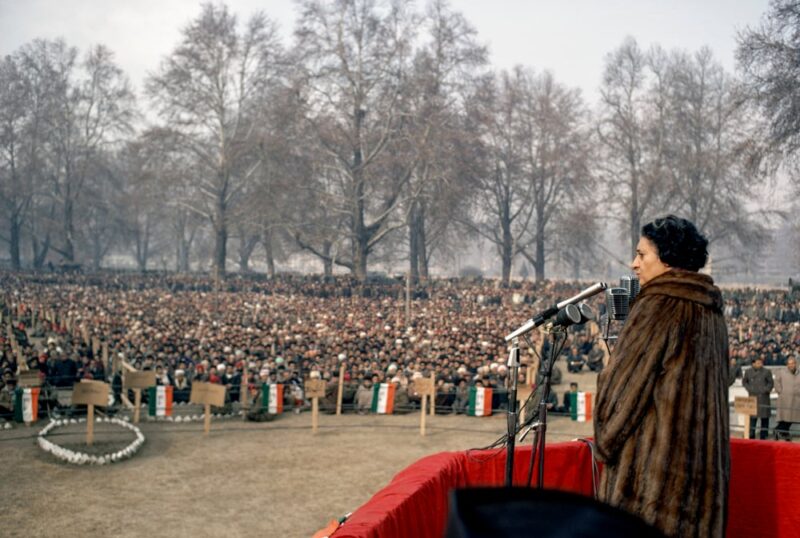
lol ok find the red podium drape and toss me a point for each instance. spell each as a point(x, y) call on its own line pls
point(764, 488)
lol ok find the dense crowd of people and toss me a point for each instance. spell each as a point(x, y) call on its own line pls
point(292, 328)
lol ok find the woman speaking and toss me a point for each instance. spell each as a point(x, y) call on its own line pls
point(661, 415)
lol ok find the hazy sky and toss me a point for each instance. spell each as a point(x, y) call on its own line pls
point(569, 37)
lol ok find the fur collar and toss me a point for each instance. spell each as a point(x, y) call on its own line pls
point(688, 285)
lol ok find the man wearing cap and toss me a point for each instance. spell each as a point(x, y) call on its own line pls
point(787, 385)
point(758, 382)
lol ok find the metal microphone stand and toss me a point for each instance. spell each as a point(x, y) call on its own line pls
point(540, 426)
point(513, 368)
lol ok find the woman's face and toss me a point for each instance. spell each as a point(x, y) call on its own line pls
point(647, 265)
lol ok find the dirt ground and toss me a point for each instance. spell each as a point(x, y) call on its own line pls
point(243, 479)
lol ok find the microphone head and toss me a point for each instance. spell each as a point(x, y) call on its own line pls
point(630, 283)
point(617, 303)
point(587, 314)
point(569, 315)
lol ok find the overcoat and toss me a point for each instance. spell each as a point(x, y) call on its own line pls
point(759, 383)
point(787, 385)
point(661, 415)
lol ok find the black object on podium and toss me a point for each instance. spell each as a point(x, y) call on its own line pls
point(526, 512)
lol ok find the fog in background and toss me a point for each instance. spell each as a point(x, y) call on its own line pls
point(516, 139)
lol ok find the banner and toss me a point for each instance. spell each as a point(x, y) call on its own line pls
point(272, 398)
point(383, 398)
point(480, 402)
point(580, 406)
point(26, 404)
point(159, 401)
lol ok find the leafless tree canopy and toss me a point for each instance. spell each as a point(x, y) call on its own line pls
point(380, 134)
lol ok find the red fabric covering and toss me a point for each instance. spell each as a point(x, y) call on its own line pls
point(764, 500)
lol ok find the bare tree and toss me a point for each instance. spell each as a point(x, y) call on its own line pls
point(709, 136)
point(767, 56)
point(88, 114)
point(353, 54)
point(209, 88)
point(631, 132)
point(446, 64)
point(555, 160)
point(537, 150)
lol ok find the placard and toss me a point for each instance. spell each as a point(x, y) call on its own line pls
point(208, 393)
point(315, 388)
point(90, 393)
point(424, 386)
point(139, 380)
point(29, 379)
point(746, 405)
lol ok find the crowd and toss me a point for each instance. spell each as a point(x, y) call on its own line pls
point(293, 328)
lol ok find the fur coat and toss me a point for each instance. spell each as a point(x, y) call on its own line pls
point(661, 415)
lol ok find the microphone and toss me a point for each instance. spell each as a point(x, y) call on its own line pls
point(630, 283)
point(569, 315)
point(587, 314)
point(592, 290)
point(617, 303)
point(543, 316)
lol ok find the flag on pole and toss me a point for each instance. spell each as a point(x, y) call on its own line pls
point(383, 398)
point(159, 401)
point(272, 398)
point(580, 406)
point(26, 404)
point(480, 402)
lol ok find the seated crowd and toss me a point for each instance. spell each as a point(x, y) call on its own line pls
point(293, 328)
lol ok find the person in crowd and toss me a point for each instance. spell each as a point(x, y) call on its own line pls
point(665, 461)
point(461, 402)
point(575, 360)
point(758, 382)
point(364, 397)
point(734, 370)
point(787, 385)
point(182, 387)
point(573, 389)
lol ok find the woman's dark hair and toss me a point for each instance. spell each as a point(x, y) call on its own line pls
point(678, 242)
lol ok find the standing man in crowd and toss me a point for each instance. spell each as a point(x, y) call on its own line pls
point(758, 382)
point(787, 385)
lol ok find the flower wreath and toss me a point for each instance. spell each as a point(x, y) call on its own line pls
point(81, 458)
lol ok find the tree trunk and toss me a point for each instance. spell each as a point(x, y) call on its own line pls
point(539, 265)
point(69, 231)
point(14, 242)
point(40, 253)
point(507, 247)
point(413, 243)
point(269, 249)
point(327, 262)
point(360, 237)
point(422, 248)
point(636, 220)
point(184, 248)
point(220, 225)
point(220, 246)
point(507, 259)
point(246, 247)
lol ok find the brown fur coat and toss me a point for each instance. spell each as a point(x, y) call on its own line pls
point(661, 415)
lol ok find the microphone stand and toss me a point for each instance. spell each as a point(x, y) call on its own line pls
point(513, 368)
point(540, 427)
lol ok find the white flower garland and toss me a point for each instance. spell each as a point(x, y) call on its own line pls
point(81, 458)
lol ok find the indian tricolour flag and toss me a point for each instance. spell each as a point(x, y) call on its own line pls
point(26, 405)
point(159, 401)
point(272, 398)
point(580, 406)
point(480, 402)
point(383, 398)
